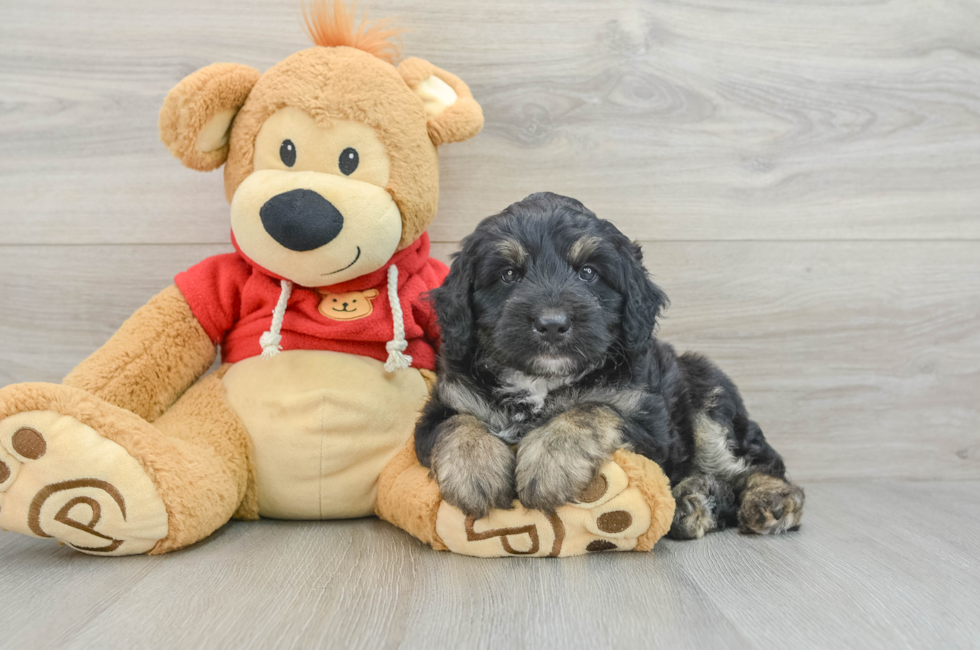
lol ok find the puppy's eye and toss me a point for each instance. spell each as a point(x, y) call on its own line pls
point(349, 160)
point(588, 274)
point(510, 276)
point(287, 153)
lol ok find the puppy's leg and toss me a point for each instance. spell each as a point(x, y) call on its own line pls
point(474, 468)
point(730, 446)
point(704, 504)
point(770, 505)
point(557, 461)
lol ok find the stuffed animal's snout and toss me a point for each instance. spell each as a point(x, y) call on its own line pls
point(301, 220)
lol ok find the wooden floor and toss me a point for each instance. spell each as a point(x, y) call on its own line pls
point(805, 178)
point(877, 565)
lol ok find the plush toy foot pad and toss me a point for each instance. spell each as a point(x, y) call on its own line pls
point(611, 515)
point(59, 478)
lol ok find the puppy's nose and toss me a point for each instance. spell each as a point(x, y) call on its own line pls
point(301, 220)
point(552, 326)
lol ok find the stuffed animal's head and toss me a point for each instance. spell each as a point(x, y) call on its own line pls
point(330, 156)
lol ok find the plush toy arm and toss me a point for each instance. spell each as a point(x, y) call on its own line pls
point(157, 354)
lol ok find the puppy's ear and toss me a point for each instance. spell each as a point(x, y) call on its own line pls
point(454, 308)
point(196, 117)
point(643, 300)
point(452, 113)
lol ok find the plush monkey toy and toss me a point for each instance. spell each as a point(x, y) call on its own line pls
point(327, 342)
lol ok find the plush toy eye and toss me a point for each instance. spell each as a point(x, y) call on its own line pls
point(510, 276)
point(588, 274)
point(287, 153)
point(349, 160)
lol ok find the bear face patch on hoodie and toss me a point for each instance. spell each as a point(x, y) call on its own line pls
point(235, 301)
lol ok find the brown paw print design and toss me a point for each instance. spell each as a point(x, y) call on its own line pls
point(111, 507)
point(347, 306)
point(610, 515)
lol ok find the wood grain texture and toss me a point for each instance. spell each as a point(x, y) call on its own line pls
point(711, 119)
point(859, 359)
point(804, 176)
point(876, 565)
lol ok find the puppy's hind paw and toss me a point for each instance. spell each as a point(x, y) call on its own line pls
point(693, 517)
point(770, 506)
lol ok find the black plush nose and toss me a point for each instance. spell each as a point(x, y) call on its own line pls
point(301, 220)
point(552, 326)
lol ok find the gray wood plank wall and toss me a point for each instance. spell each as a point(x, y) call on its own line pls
point(805, 177)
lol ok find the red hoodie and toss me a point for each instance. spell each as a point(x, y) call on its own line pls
point(234, 299)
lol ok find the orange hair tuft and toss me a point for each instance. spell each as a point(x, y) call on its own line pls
point(331, 26)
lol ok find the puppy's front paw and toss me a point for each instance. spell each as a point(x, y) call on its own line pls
point(474, 469)
point(556, 463)
point(549, 486)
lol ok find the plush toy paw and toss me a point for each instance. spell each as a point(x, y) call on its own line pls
point(608, 516)
point(59, 478)
point(626, 507)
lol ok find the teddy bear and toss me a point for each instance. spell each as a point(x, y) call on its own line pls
point(327, 343)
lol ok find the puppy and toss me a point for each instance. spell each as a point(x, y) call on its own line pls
point(549, 365)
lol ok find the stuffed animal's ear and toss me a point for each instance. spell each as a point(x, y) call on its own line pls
point(196, 116)
point(453, 115)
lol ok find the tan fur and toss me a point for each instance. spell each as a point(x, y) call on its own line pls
point(512, 250)
point(429, 377)
point(474, 468)
point(151, 360)
point(556, 462)
point(203, 418)
point(582, 248)
point(200, 480)
point(328, 83)
point(460, 121)
point(343, 83)
point(770, 505)
point(409, 498)
point(194, 102)
point(650, 480)
point(143, 390)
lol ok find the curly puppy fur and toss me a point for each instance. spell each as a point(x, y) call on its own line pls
point(547, 320)
point(480, 486)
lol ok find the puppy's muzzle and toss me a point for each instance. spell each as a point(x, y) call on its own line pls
point(301, 220)
point(552, 326)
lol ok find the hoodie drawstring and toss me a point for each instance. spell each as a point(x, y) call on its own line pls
point(271, 341)
point(397, 359)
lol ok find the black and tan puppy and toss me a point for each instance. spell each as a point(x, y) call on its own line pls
point(549, 364)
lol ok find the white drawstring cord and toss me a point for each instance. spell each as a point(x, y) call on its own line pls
point(272, 339)
point(397, 359)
